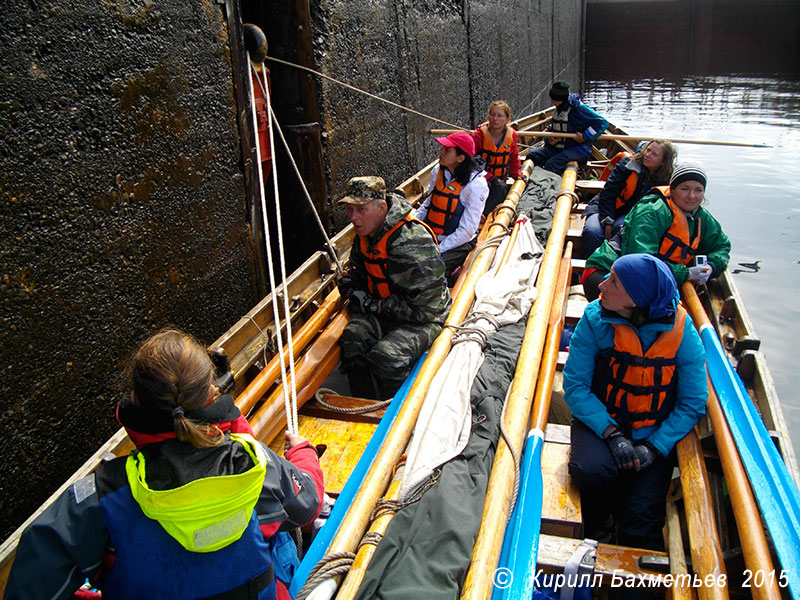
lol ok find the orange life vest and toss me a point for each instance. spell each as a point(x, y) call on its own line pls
point(639, 388)
point(445, 209)
point(627, 191)
point(497, 157)
point(376, 257)
point(676, 246)
point(612, 163)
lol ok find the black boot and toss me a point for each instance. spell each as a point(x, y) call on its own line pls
point(362, 384)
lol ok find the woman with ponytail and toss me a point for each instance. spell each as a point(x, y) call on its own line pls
point(199, 509)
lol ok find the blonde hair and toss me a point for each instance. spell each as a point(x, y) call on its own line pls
point(500, 104)
point(172, 372)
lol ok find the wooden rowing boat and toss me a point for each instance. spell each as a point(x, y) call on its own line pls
point(703, 515)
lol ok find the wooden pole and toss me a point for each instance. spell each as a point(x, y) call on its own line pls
point(270, 417)
point(356, 520)
point(677, 557)
point(355, 576)
point(620, 137)
point(266, 378)
point(756, 552)
point(544, 386)
point(703, 536)
point(486, 552)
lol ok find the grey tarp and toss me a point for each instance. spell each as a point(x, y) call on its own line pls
point(426, 550)
point(538, 201)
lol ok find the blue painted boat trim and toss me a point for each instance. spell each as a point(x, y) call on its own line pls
point(772, 484)
point(325, 535)
point(516, 569)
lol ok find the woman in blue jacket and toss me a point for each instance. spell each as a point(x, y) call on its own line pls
point(197, 510)
point(635, 381)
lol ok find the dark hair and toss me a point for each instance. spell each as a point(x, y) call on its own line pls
point(172, 372)
point(664, 172)
point(463, 172)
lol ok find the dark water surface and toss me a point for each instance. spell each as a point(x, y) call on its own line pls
point(753, 192)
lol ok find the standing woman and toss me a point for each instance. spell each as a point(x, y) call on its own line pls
point(496, 144)
point(671, 224)
point(196, 511)
point(456, 197)
point(630, 180)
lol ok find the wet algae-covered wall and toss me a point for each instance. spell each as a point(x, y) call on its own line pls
point(123, 192)
point(121, 211)
point(447, 59)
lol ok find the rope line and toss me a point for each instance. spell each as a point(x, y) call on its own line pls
point(355, 410)
point(360, 91)
point(328, 567)
point(290, 405)
point(330, 247)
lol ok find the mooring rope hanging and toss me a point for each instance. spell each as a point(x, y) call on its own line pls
point(328, 244)
point(290, 404)
point(360, 91)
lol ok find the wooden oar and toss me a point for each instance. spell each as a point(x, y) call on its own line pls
point(703, 535)
point(266, 378)
point(270, 418)
point(355, 522)
point(677, 556)
point(521, 539)
point(612, 136)
point(486, 552)
point(745, 510)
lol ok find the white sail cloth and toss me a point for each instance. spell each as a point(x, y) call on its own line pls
point(503, 295)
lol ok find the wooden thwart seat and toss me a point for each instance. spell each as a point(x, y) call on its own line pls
point(561, 503)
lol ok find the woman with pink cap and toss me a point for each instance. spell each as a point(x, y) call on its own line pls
point(456, 196)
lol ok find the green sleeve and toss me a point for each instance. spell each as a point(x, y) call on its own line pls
point(645, 226)
point(714, 244)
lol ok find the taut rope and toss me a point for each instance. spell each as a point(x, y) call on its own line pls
point(290, 404)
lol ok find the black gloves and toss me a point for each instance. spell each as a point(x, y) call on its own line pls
point(622, 450)
point(361, 301)
point(646, 453)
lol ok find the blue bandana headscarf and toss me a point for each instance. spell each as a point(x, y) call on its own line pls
point(649, 283)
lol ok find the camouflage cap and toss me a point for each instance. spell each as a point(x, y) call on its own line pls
point(363, 190)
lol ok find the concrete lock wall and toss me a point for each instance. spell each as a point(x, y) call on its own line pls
point(122, 211)
point(445, 59)
point(123, 189)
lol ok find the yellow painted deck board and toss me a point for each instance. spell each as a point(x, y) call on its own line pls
point(346, 441)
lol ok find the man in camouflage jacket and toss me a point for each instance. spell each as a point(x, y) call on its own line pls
point(396, 287)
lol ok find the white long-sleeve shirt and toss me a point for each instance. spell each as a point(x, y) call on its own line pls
point(473, 197)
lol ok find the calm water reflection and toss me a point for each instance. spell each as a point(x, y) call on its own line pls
point(753, 192)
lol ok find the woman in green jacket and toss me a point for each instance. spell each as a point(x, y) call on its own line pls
point(669, 223)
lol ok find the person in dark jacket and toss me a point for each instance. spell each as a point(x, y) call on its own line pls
point(635, 380)
point(630, 180)
point(199, 509)
point(570, 116)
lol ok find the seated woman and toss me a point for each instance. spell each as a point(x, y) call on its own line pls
point(630, 180)
point(196, 511)
point(496, 144)
point(624, 429)
point(456, 197)
point(668, 223)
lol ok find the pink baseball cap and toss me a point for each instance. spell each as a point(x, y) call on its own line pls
point(459, 139)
